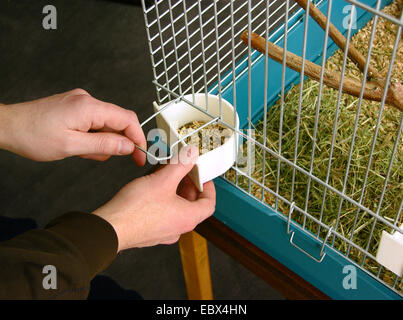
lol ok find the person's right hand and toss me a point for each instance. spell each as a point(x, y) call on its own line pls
point(149, 211)
point(71, 124)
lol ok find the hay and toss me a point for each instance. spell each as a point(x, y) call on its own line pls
point(206, 139)
point(359, 234)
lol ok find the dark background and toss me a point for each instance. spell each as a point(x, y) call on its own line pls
point(99, 46)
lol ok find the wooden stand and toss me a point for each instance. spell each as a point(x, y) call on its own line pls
point(196, 266)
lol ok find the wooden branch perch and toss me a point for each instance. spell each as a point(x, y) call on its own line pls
point(373, 90)
point(339, 39)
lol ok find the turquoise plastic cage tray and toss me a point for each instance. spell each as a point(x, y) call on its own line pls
point(262, 224)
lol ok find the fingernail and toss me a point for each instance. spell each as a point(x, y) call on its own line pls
point(192, 153)
point(125, 147)
point(188, 155)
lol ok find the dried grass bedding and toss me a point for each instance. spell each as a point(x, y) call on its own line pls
point(206, 139)
point(352, 224)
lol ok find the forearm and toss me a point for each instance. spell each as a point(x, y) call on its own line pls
point(6, 124)
point(3, 123)
point(77, 245)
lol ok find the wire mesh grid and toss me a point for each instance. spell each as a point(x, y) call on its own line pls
point(328, 162)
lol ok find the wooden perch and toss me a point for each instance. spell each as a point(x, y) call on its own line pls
point(339, 39)
point(373, 90)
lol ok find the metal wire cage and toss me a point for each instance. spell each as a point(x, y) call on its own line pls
point(327, 160)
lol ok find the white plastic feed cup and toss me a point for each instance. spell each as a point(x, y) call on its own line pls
point(216, 161)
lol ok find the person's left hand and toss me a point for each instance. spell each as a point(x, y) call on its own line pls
point(160, 207)
point(71, 124)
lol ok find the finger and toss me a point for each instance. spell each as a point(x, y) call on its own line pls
point(99, 143)
point(159, 167)
point(120, 119)
point(178, 167)
point(139, 156)
point(187, 189)
point(171, 240)
point(76, 92)
point(95, 157)
point(106, 129)
point(208, 191)
point(205, 205)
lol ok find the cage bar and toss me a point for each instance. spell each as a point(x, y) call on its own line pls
point(195, 47)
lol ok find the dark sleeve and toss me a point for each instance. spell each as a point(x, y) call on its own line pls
point(74, 247)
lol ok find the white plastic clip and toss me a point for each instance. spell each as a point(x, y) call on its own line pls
point(390, 251)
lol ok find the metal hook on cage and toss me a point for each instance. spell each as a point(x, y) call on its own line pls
point(322, 253)
point(148, 120)
point(292, 207)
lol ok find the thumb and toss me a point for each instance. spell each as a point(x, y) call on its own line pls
point(179, 166)
point(100, 143)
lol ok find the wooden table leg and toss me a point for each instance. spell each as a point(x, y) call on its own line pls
point(196, 266)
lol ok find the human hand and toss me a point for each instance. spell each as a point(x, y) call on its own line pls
point(71, 124)
point(158, 208)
